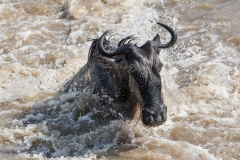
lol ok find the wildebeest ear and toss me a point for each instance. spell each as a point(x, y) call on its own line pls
point(157, 39)
point(103, 61)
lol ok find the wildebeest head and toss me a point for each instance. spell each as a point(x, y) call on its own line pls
point(143, 67)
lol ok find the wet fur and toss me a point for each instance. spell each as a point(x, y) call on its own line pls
point(129, 80)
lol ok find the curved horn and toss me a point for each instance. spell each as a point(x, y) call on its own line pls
point(125, 39)
point(160, 45)
point(104, 52)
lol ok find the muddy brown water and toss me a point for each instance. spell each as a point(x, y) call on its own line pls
point(44, 42)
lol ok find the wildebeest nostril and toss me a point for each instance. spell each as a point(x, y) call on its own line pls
point(151, 119)
point(159, 117)
point(154, 117)
point(164, 116)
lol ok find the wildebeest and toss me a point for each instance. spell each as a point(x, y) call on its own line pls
point(127, 75)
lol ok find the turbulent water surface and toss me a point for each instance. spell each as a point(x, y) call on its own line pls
point(45, 42)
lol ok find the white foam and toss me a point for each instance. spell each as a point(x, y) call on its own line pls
point(203, 59)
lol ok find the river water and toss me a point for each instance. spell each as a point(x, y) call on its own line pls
point(45, 42)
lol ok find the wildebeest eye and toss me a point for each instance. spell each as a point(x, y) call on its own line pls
point(156, 70)
point(159, 66)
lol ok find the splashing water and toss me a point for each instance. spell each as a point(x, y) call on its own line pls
point(44, 43)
